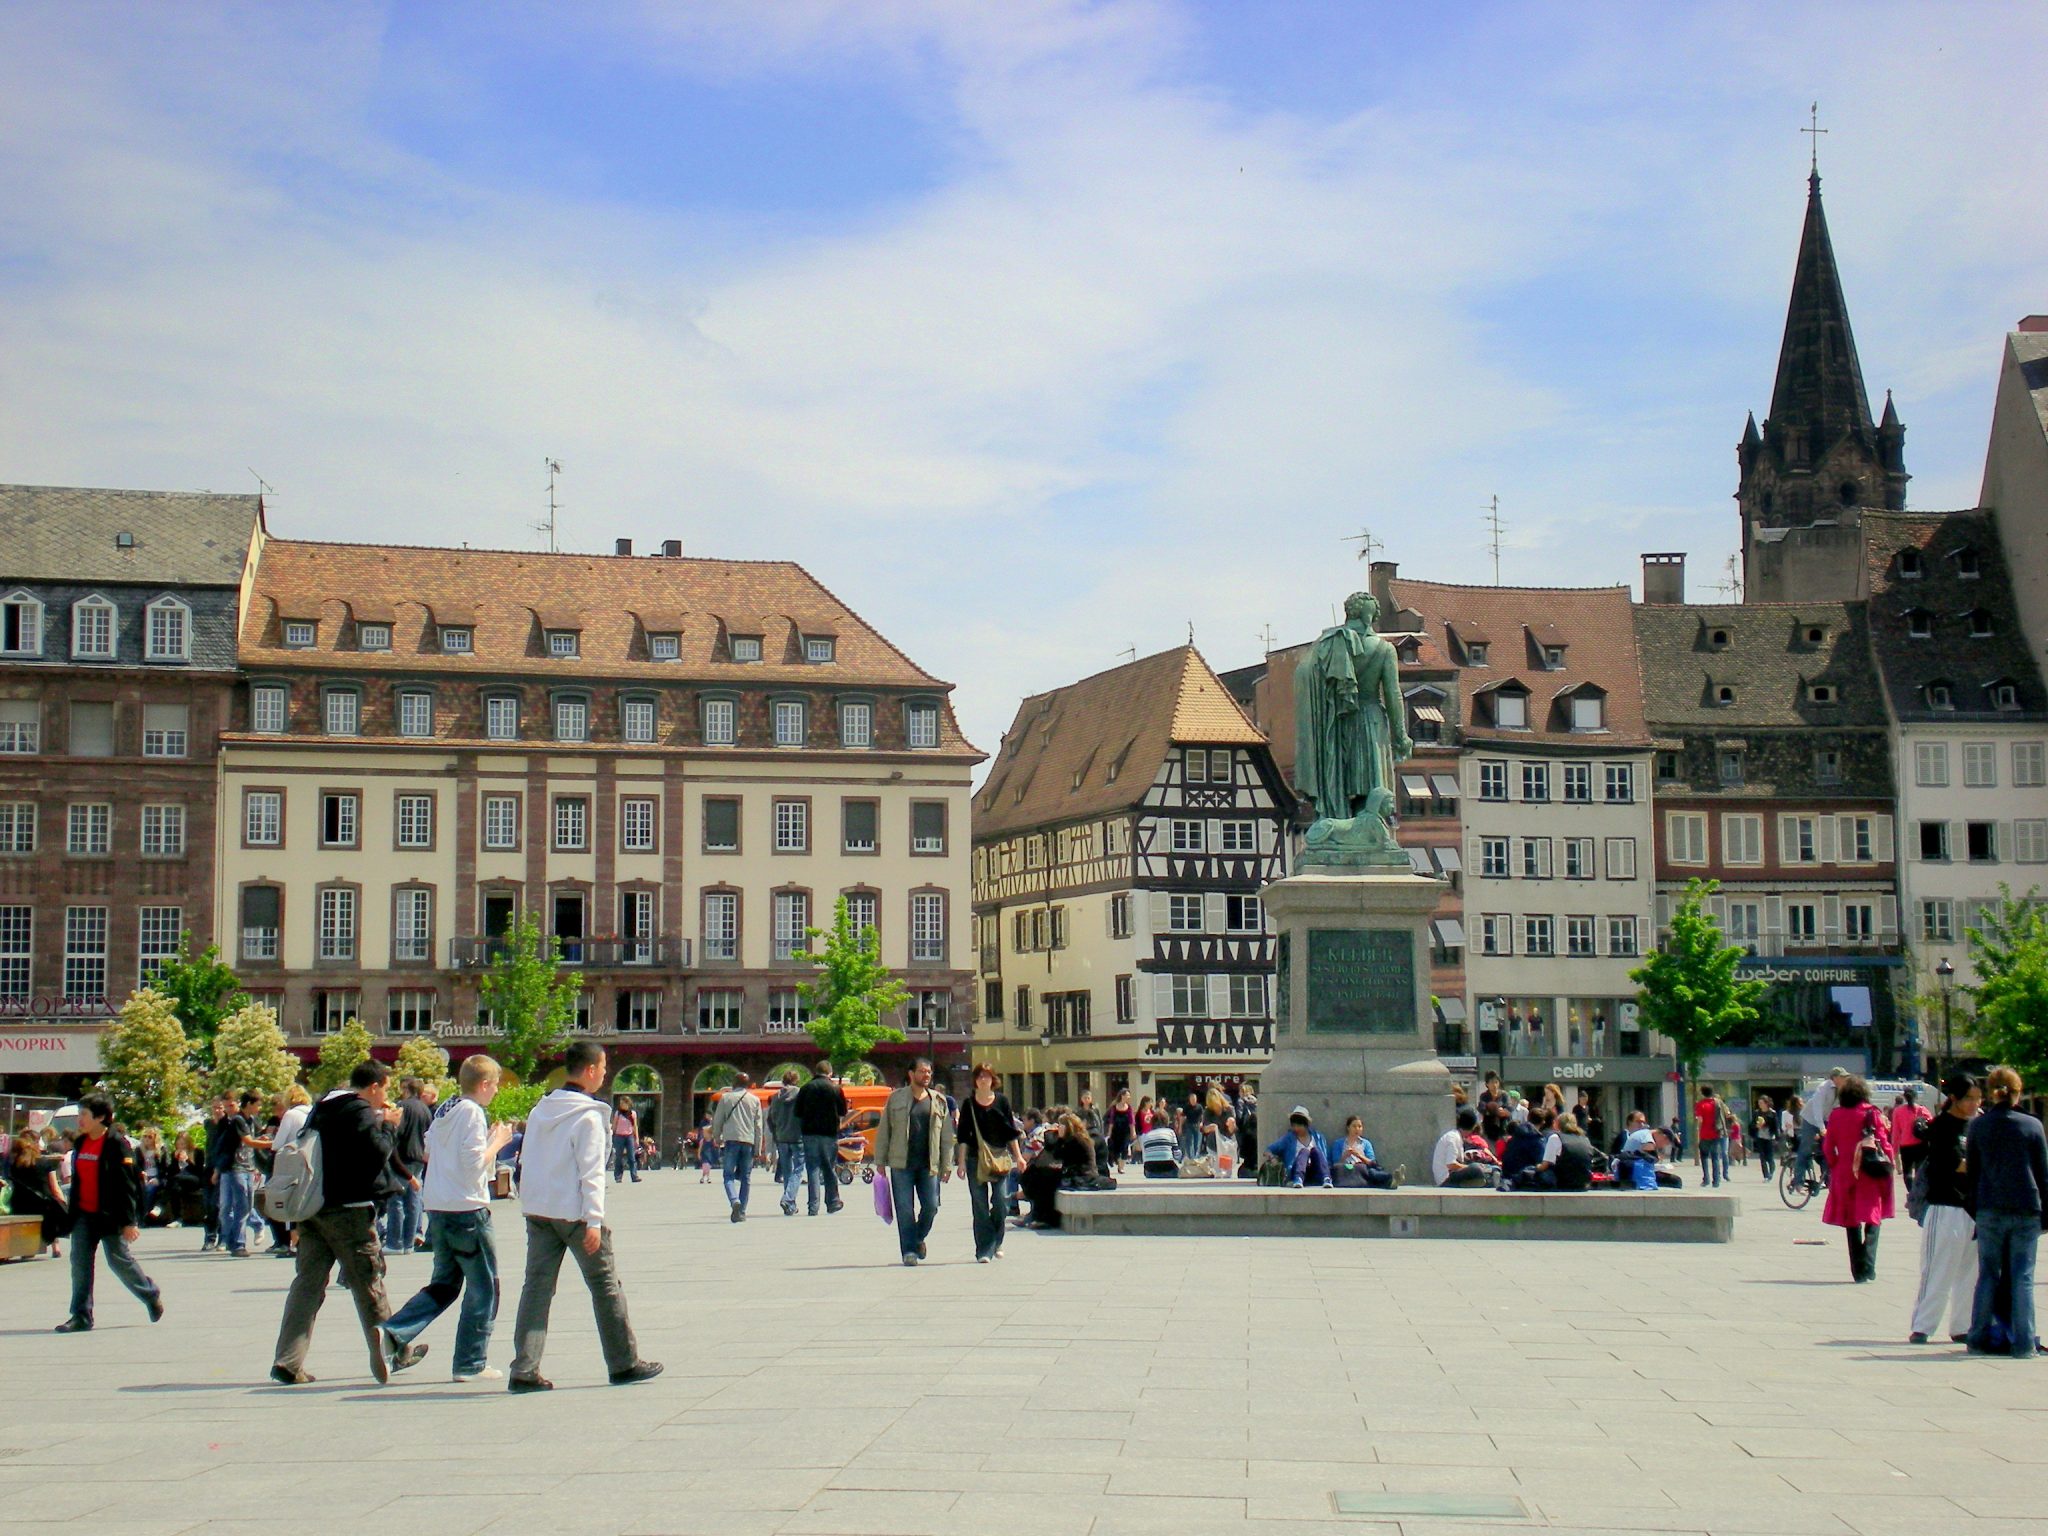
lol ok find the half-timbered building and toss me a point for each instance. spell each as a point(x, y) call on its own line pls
point(1121, 842)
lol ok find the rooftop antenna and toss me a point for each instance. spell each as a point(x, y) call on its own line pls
point(1493, 527)
point(1266, 638)
point(263, 487)
point(1129, 653)
point(1191, 631)
point(1730, 586)
point(548, 527)
point(1815, 130)
point(1366, 544)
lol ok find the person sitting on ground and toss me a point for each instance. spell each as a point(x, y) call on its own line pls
point(1452, 1163)
point(1569, 1154)
point(1634, 1121)
point(1523, 1150)
point(1067, 1159)
point(1645, 1146)
point(1353, 1164)
point(1159, 1152)
point(1302, 1152)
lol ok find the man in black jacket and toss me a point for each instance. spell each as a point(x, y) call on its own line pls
point(404, 1212)
point(821, 1108)
point(356, 1129)
point(106, 1210)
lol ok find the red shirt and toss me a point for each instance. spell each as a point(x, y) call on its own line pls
point(1708, 1113)
point(86, 1172)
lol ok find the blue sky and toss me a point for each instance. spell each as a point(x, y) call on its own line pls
point(1039, 330)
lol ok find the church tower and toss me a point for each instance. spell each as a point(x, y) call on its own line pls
point(1817, 460)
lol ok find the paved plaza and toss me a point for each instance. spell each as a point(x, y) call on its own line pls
point(1083, 1385)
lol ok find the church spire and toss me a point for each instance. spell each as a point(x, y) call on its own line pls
point(1819, 391)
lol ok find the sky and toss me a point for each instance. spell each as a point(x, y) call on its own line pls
point(1042, 332)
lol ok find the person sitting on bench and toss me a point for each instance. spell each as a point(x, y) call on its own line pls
point(1353, 1165)
point(1302, 1152)
point(1521, 1157)
point(1459, 1160)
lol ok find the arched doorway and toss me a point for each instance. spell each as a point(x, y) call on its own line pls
point(712, 1078)
point(862, 1074)
point(774, 1073)
point(642, 1084)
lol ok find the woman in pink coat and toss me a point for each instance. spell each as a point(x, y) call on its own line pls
point(1857, 1202)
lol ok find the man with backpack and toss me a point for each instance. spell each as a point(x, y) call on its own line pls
point(1711, 1117)
point(353, 1130)
point(821, 1108)
point(787, 1131)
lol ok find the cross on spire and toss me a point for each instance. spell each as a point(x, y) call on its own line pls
point(1814, 130)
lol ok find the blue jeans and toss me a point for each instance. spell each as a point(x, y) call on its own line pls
point(84, 1246)
point(402, 1216)
point(2006, 1245)
point(739, 1171)
point(1713, 1161)
point(465, 1265)
point(237, 1195)
point(625, 1158)
point(908, 1191)
point(1805, 1147)
point(789, 1167)
point(821, 1171)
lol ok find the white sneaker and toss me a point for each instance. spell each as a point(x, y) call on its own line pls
point(488, 1373)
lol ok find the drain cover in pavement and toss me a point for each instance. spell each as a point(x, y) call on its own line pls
point(1445, 1506)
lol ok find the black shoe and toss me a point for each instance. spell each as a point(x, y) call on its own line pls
point(1959, 1338)
point(642, 1370)
point(529, 1384)
point(155, 1307)
point(285, 1378)
point(738, 1215)
point(921, 1253)
point(73, 1325)
point(834, 1210)
point(1918, 1338)
point(408, 1357)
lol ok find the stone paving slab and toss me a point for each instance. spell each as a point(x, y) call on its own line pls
point(1099, 1386)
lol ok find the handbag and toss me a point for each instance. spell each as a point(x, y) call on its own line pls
point(990, 1165)
point(1872, 1161)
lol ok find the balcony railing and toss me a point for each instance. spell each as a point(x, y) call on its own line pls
point(666, 953)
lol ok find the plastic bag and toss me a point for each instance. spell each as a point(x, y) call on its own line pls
point(885, 1205)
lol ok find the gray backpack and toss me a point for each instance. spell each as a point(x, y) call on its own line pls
point(293, 1190)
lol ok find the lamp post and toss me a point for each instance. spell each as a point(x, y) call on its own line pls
point(1500, 1038)
point(1946, 970)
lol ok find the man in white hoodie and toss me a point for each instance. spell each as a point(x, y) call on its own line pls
point(562, 1188)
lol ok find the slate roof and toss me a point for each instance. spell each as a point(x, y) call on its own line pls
point(1970, 666)
point(1096, 745)
point(1767, 660)
point(70, 533)
point(1818, 392)
point(1595, 626)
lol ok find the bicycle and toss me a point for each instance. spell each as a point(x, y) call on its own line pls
point(1797, 1193)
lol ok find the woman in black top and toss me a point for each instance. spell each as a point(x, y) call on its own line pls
point(985, 1121)
point(1067, 1157)
point(1122, 1121)
point(1948, 1234)
point(32, 1187)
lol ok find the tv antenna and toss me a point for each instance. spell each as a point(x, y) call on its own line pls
point(1730, 585)
point(1366, 543)
point(263, 486)
point(1266, 638)
point(1493, 527)
point(1129, 653)
point(547, 526)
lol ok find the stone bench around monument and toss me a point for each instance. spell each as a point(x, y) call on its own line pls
point(1200, 1208)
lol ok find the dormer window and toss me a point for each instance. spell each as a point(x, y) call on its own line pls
point(168, 631)
point(373, 637)
point(1724, 694)
point(1729, 763)
point(1553, 657)
point(1823, 693)
point(457, 640)
point(1511, 711)
point(1968, 567)
point(1718, 639)
point(1919, 624)
point(2005, 696)
point(1589, 712)
point(1475, 655)
point(562, 642)
point(746, 647)
point(299, 634)
point(664, 647)
point(1409, 652)
point(921, 726)
point(1980, 624)
point(819, 648)
point(1909, 565)
point(1815, 635)
point(21, 625)
point(92, 629)
point(1940, 696)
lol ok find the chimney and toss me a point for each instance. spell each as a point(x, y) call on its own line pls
point(2034, 323)
point(1380, 582)
point(672, 548)
point(1664, 578)
point(623, 547)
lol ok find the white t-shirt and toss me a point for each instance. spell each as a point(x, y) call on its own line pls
point(1820, 1106)
point(458, 1162)
point(289, 1124)
point(1640, 1143)
point(1449, 1149)
point(1553, 1148)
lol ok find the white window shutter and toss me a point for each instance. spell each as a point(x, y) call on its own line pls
point(1881, 840)
point(1162, 912)
point(1663, 909)
point(1788, 839)
point(1826, 835)
point(1213, 835)
point(2001, 841)
point(1717, 908)
point(1162, 997)
point(1269, 836)
point(1831, 919)
point(1887, 915)
point(1213, 918)
point(1774, 919)
point(1219, 997)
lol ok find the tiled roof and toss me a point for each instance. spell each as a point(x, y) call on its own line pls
point(1592, 623)
point(1767, 660)
point(511, 598)
point(73, 533)
point(1944, 544)
point(1096, 745)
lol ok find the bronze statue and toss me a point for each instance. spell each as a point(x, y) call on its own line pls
point(1350, 728)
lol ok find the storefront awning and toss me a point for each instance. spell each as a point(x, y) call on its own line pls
point(1450, 933)
point(1418, 860)
point(1446, 785)
point(1453, 1010)
point(1416, 785)
point(1448, 861)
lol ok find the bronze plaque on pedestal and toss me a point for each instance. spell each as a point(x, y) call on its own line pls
point(1361, 981)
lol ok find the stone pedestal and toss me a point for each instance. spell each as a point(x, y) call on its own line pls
point(1353, 1027)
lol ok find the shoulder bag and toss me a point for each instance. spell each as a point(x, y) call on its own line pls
point(1872, 1160)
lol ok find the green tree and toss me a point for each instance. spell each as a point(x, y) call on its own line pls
point(852, 992)
point(531, 998)
point(340, 1054)
point(515, 1101)
point(203, 990)
point(419, 1057)
point(149, 1074)
point(249, 1053)
point(2009, 950)
point(1688, 989)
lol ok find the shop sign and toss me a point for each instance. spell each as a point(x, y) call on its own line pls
point(1577, 1071)
point(49, 1051)
point(54, 1005)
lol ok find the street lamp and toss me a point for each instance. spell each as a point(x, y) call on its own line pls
point(1500, 1038)
point(1946, 970)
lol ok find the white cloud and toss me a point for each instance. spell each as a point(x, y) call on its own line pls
point(1144, 355)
